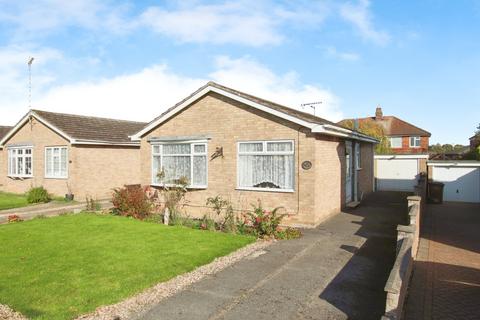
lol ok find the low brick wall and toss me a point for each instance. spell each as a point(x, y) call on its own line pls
point(408, 237)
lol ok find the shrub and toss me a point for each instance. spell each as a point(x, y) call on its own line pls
point(132, 202)
point(207, 223)
point(264, 223)
point(92, 204)
point(219, 206)
point(288, 233)
point(13, 218)
point(37, 195)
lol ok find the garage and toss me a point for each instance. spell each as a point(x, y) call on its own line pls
point(461, 179)
point(397, 173)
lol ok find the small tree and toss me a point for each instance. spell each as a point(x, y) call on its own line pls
point(370, 128)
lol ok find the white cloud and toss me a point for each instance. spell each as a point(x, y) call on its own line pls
point(347, 56)
point(240, 22)
point(145, 94)
point(43, 16)
point(360, 17)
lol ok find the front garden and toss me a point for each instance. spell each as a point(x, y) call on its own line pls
point(33, 196)
point(62, 267)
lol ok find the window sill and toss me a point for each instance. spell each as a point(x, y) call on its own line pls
point(59, 178)
point(19, 177)
point(265, 190)
point(172, 185)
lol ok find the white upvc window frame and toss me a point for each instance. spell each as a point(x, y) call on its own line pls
point(265, 152)
point(53, 175)
point(24, 156)
point(160, 154)
point(416, 139)
point(396, 146)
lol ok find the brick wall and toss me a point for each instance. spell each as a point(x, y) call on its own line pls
point(318, 191)
point(92, 170)
point(406, 149)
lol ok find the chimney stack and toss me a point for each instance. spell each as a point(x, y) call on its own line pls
point(378, 113)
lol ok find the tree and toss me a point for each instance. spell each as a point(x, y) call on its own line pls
point(477, 132)
point(370, 128)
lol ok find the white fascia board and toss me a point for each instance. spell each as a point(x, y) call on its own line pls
point(401, 156)
point(232, 96)
point(104, 143)
point(25, 119)
point(341, 132)
point(454, 163)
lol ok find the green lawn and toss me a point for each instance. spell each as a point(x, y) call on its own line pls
point(59, 268)
point(12, 200)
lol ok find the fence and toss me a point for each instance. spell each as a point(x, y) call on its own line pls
point(408, 237)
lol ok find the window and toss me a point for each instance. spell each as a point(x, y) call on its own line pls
point(358, 155)
point(179, 160)
point(20, 162)
point(396, 142)
point(56, 159)
point(414, 142)
point(267, 165)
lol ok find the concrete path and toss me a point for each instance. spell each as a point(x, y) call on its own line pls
point(46, 209)
point(336, 271)
point(446, 276)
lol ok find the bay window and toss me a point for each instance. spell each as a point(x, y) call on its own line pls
point(266, 165)
point(177, 160)
point(56, 162)
point(20, 162)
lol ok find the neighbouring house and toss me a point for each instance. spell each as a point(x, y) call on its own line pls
point(400, 169)
point(246, 149)
point(65, 152)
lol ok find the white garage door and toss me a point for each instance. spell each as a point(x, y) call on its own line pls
point(461, 183)
point(397, 174)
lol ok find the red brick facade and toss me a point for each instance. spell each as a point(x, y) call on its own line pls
point(406, 149)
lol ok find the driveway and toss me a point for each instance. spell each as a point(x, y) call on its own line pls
point(446, 276)
point(335, 271)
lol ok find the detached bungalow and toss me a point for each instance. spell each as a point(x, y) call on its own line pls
point(244, 148)
point(64, 152)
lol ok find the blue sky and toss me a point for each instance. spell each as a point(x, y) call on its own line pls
point(419, 60)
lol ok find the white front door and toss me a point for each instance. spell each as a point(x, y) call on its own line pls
point(348, 171)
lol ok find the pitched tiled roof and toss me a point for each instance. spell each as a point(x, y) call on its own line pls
point(394, 126)
point(275, 106)
point(92, 128)
point(4, 130)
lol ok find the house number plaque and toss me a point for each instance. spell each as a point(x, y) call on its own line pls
point(306, 165)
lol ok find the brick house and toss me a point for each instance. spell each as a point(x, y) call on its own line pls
point(401, 169)
point(405, 138)
point(244, 148)
point(87, 155)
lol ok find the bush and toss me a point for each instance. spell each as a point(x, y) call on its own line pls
point(264, 224)
point(219, 206)
point(288, 233)
point(132, 202)
point(37, 195)
point(13, 218)
point(92, 204)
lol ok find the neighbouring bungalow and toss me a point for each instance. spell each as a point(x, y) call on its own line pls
point(246, 149)
point(86, 156)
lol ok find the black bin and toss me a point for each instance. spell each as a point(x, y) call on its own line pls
point(435, 192)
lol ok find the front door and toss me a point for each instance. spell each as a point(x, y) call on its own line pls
point(348, 171)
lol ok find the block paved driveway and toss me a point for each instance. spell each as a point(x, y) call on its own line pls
point(336, 271)
point(446, 277)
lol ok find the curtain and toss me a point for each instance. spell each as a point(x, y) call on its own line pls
point(63, 162)
point(275, 170)
point(176, 167)
point(199, 171)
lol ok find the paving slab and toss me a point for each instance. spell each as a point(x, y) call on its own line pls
point(335, 271)
point(446, 276)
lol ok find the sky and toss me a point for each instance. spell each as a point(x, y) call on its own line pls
point(418, 59)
